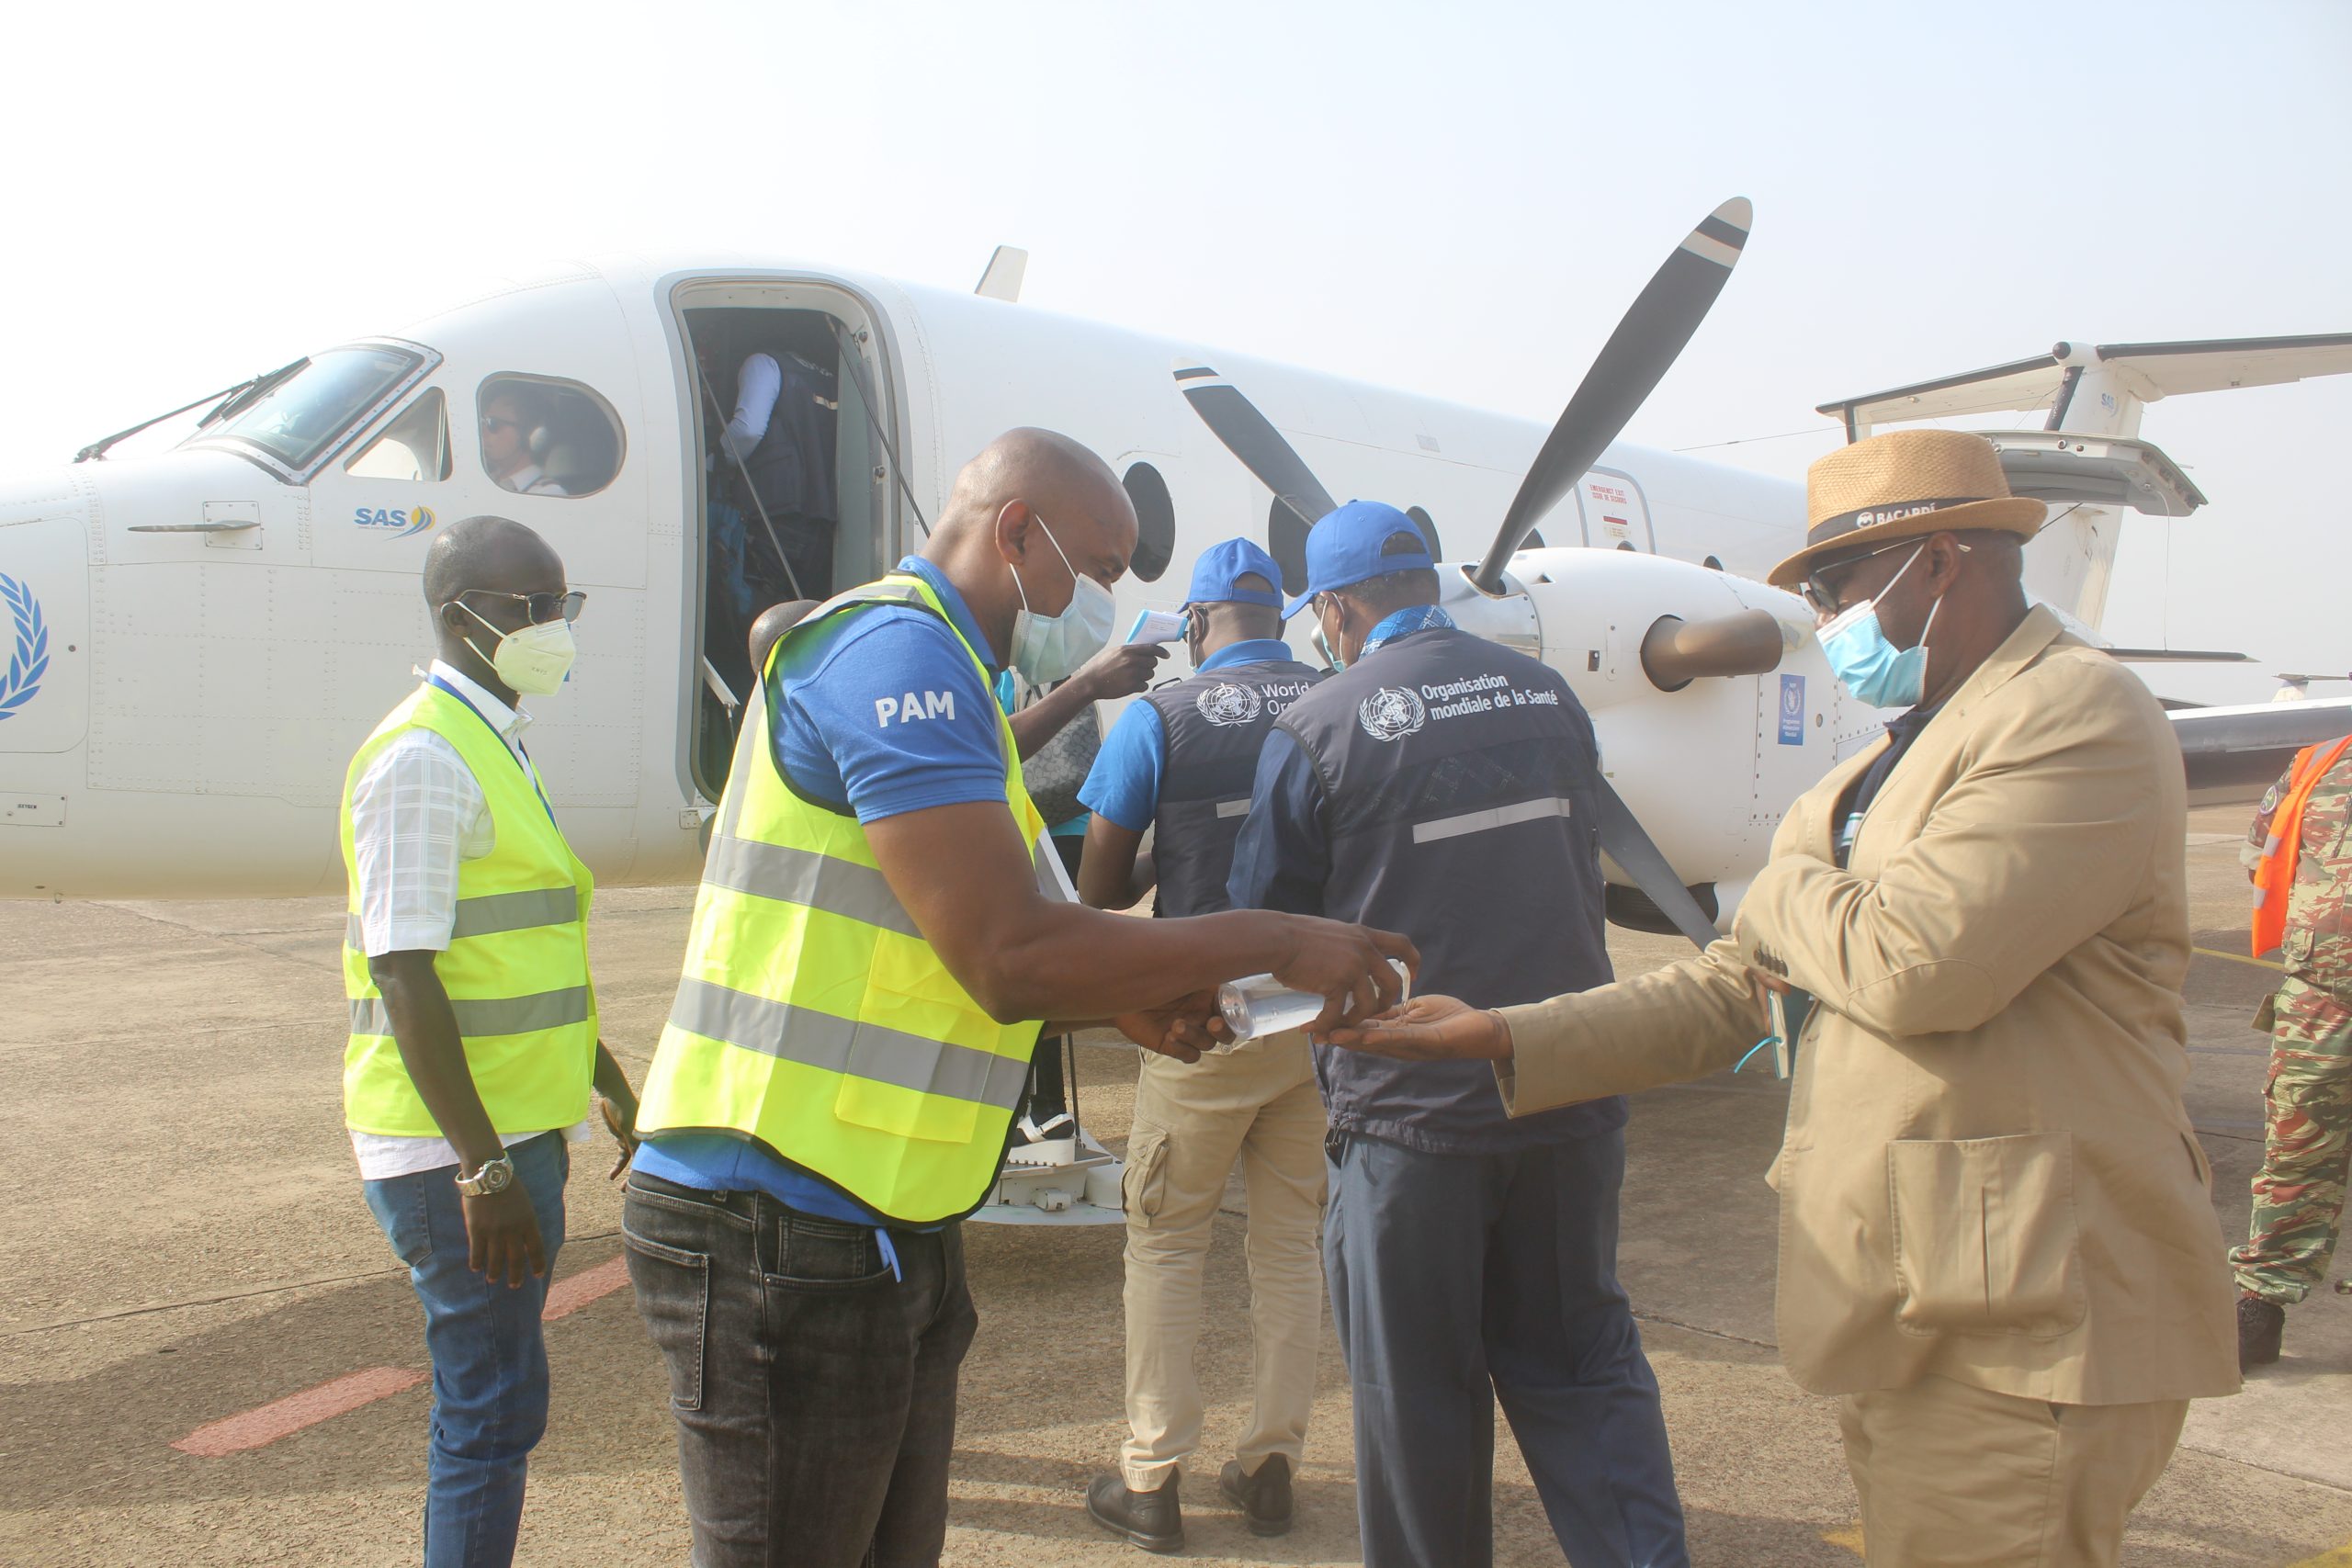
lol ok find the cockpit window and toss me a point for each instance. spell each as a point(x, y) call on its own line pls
point(414, 446)
point(542, 436)
point(291, 422)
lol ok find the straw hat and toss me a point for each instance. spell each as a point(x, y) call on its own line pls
point(1904, 484)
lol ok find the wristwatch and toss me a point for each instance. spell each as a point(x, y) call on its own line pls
point(496, 1176)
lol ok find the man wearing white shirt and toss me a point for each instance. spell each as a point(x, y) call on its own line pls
point(779, 457)
point(473, 1022)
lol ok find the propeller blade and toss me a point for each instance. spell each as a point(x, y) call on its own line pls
point(1624, 841)
point(1251, 436)
point(1630, 364)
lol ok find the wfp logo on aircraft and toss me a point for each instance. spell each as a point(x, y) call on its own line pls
point(1392, 713)
point(28, 649)
point(395, 525)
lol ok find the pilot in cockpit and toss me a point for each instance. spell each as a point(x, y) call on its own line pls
point(513, 429)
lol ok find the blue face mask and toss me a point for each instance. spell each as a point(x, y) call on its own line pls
point(1873, 668)
point(1325, 646)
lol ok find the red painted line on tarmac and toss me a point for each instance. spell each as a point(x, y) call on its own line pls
point(283, 1417)
point(568, 1295)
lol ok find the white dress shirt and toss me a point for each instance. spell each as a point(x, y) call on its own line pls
point(532, 479)
point(416, 814)
point(757, 385)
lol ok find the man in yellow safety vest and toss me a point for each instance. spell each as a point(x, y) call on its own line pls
point(473, 1023)
point(882, 933)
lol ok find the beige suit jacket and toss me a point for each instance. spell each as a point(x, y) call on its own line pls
point(1988, 1173)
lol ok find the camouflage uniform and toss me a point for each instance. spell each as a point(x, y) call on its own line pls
point(2299, 1192)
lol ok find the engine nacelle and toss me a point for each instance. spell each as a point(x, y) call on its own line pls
point(1710, 765)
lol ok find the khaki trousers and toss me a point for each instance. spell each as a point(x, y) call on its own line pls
point(1953, 1476)
point(1258, 1101)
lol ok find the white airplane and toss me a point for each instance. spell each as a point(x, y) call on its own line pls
point(199, 639)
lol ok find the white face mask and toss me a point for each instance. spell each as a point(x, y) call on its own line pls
point(533, 660)
point(1046, 649)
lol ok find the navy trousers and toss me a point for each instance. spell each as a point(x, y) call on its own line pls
point(1461, 1279)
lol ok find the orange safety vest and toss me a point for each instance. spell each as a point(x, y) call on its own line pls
point(2274, 876)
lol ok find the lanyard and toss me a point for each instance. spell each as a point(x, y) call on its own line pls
point(522, 758)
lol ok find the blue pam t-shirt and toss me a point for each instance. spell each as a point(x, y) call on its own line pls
point(878, 711)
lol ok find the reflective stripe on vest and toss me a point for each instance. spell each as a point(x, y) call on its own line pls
point(2274, 875)
point(494, 912)
point(812, 1018)
point(516, 967)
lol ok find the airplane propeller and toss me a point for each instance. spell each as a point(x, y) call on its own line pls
point(1653, 335)
point(1251, 436)
point(1636, 356)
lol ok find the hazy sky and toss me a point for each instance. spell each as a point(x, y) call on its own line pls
point(1460, 200)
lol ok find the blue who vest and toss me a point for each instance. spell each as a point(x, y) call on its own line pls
point(1458, 809)
point(1215, 724)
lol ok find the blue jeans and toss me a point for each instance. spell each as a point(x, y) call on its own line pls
point(490, 1364)
point(1459, 1280)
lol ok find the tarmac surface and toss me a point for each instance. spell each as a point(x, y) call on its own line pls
point(188, 1262)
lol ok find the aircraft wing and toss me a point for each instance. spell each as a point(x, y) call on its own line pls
point(2236, 753)
point(2158, 370)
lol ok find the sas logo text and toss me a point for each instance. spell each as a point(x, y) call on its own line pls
point(394, 523)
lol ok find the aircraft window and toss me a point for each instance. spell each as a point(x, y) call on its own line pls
point(298, 419)
point(1155, 521)
point(1286, 542)
point(541, 436)
point(1429, 531)
point(413, 447)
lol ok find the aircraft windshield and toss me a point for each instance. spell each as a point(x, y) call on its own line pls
point(298, 419)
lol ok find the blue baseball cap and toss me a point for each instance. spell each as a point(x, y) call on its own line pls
point(1344, 549)
point(1218, 575)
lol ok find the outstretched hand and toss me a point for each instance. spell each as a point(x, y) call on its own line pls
point(1119, 670)
point(1183, 1029)
point(1346, 966)
point(1429, 1029)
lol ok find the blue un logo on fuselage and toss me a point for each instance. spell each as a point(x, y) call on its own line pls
point(27, 647)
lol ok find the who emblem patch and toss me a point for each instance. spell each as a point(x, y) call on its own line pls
point(1227, 704)
point(1392, 713)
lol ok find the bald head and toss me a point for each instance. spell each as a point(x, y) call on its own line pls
point(1044, 468)
point(474, 573)
point(1032, 509)
point(497, 554)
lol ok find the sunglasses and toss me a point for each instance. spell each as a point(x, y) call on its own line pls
point(1821, 596)
point(541, 606)
point(490, 423)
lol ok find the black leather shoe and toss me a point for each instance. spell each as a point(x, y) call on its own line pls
point(2260, 1325)
point(1150, 1519)
point(1264, 1497)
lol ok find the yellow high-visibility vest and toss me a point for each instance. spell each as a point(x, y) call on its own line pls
point(812, 1018)
point(516, 967)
